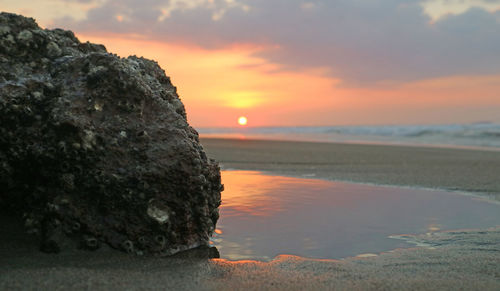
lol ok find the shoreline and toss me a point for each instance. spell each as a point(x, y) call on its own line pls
point(456, 170)
point(284, 138)
point(476, 195)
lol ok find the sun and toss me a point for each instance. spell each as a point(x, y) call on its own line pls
point(242, 121)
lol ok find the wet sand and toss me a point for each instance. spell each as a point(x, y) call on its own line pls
point(467, 260)
point(466, 170)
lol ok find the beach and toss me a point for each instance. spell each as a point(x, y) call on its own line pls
point(455, 169)
point(462, 259)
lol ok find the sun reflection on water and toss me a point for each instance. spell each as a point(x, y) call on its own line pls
point(257, 194)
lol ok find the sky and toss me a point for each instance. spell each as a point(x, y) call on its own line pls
point(304, 62)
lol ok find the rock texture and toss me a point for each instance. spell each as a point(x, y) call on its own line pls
point(96, 149)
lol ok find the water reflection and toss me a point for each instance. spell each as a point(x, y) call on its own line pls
point(253, 194)
point(263, 216)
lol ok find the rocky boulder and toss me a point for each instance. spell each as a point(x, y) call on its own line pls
point(96, 149)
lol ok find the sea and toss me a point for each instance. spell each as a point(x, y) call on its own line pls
point(475, 135)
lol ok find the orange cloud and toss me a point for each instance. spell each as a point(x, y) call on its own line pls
point(218, 86)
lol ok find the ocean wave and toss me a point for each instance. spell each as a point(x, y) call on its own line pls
point(477, 134)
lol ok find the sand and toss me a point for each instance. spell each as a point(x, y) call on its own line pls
point(467, 260)
point(466, 170)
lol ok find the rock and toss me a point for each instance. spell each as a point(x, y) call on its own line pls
point(96, 149)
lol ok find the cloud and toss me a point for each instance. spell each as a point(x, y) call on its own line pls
point(360, 42)
point(439, 8)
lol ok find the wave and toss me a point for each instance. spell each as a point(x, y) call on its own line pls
point(476, 134)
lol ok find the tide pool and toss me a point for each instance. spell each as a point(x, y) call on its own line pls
point(262, 216)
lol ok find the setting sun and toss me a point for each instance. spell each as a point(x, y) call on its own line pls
point(242, 120)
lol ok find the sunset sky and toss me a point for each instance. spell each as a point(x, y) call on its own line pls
point(297, 62)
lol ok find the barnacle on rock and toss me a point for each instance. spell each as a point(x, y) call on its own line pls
point(161, 241)
point(128, 246)
point(90, 243)
point(160, 215)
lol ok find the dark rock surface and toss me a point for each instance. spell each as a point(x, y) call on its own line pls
point(96, 149)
